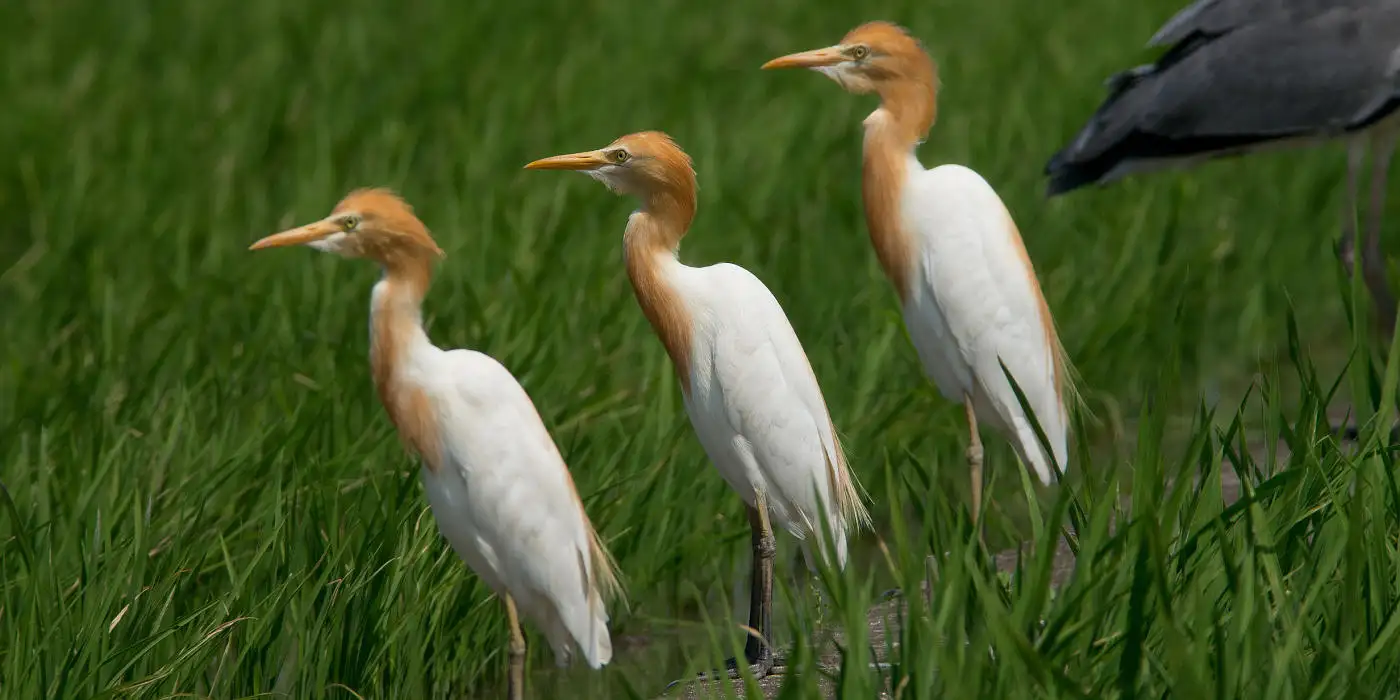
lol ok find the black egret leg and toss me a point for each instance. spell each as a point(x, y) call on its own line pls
point(757, 653)
point(756, 650)
point(1372, 260)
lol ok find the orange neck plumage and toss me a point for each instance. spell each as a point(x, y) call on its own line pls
point(653, 235)
point(907, 110)
point(395, 323)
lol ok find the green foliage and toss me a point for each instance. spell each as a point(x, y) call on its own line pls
point(202, 496)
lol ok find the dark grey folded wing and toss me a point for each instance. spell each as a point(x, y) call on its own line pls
point(1331, 74)
point(1211, 18)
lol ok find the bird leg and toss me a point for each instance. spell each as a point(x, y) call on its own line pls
point(515, 689)
point(757, 652)
point(974, 458)
point(1346, 248)
point(765, 547)
point(1372, 261)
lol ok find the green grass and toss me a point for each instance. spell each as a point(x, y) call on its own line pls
point(203, 496)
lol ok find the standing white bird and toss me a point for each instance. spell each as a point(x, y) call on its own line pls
point(969, 294)
point(749, 390)
point(494, 478)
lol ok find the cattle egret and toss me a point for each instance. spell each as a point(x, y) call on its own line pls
point(495, 481)
point(968, 291)
point(1247, 75)
point(747, 385)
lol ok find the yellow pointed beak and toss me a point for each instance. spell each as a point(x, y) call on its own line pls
point(297, 236)
point(587, 160)
point(816, 58)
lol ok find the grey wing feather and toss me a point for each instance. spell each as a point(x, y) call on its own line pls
point(1333, 73)
point(1205, 17)
point(1210, 18)
point(1270, 80)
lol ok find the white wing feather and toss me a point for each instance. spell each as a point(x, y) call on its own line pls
point(775, 420)
point(974, 302)
point(505, 501)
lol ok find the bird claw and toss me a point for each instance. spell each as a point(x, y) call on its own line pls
point(1346, 254)
point(767, 664)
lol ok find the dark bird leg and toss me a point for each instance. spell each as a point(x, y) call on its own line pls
point(515, 688)
point(757, 653)
point(1346, 248)
point(1372, 260)
point(765, 547)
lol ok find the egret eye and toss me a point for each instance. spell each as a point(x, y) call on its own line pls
point(859, 52)
point(619, 156)
point(350, 222)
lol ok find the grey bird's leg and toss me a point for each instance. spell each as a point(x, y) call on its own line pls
point(1346, 248)
point(1372, 260)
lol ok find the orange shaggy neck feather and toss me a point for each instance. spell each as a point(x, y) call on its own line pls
point(884, 172)
point(653, 235)
point(395, 322)
point(395, 238)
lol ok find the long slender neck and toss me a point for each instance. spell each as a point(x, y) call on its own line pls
point(907, 110)
point(396, 326)
point(649, 247)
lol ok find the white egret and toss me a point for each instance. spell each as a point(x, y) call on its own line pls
point(946, 241)
point(747, 384)
point(495, 481)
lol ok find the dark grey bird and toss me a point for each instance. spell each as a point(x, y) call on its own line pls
point(1241, 76)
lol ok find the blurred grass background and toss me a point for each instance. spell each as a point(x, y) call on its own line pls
point(206, 497)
